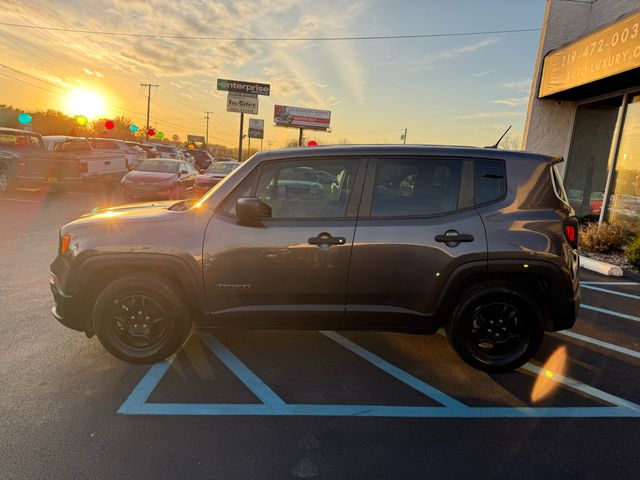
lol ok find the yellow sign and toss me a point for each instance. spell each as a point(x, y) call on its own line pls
point(612, 50)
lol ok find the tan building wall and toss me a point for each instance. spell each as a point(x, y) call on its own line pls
point(549, 123)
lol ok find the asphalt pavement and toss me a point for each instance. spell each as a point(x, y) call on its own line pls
point(286, 404)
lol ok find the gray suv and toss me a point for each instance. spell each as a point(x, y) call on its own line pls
point(407, 238)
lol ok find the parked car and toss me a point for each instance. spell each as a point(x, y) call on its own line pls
point(101, 168)
point(25, 162)
point(202, 159)
point(168, 151)
point(216, 172)
point(150, 151)
point(187, 156)
point(172, 179)
point(479, 241)
point(133, 154)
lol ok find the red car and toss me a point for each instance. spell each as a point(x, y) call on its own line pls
point(159, 177)
point(216, 172)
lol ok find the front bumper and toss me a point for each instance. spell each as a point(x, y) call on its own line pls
point(66, 308)
point(146, 191)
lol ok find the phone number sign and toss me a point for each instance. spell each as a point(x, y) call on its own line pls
point(609, 51)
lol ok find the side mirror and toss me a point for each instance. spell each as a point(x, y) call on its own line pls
point(251, 210)
point(202, 170)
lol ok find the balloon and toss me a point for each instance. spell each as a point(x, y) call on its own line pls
point(133, 128)
point(109, 125)
point(151, 132)
point(81, 120)
point(24, 118)
point(175, 137)
point(312, 143)
point(160, 135)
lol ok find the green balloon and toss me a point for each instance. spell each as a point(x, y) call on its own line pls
point(160, 135)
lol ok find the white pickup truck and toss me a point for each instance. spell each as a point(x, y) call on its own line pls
point(105, 168)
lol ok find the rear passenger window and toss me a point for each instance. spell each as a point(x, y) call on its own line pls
point(490, 181)
point(416, 186)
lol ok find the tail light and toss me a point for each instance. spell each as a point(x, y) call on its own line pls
point(571, 231)
point(83, 167)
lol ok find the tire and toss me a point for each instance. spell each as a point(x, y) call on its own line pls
point(484, 316)
point(160, 323)
point(6, 185)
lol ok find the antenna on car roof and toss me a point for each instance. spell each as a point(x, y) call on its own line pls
point(500, 139)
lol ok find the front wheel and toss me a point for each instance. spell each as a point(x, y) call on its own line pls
point(141, 318)
point(496, 327)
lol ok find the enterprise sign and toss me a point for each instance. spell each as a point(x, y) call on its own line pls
point(609, 51)
point(236, 86)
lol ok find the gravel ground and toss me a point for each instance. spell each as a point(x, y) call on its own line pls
point(615, 258)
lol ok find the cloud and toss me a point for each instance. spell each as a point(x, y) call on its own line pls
point(520, 86)
point(512, 101)
point(428, 61)
point(92, 73)
point(481, 74)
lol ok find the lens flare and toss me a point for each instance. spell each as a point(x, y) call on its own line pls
point(546, 382)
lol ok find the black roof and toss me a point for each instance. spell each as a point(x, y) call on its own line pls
point(399, 150)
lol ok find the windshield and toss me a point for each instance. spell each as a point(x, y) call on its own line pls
point(161, 166)
point(20, 139)
point(222, 167)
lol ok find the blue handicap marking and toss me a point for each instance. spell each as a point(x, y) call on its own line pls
point(273, 405)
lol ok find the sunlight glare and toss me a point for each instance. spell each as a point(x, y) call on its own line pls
point(85, 102)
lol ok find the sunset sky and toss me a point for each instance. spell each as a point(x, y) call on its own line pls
point(449, 90)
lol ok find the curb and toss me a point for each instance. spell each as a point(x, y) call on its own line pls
point(600, 267)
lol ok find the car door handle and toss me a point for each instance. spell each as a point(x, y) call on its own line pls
point(326, 239)
point(454, 237)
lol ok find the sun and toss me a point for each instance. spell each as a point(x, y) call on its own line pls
point(85, 102)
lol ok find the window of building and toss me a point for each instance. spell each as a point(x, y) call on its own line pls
point(586, 174)
point(623, 206)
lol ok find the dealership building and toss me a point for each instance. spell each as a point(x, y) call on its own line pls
point(585, 104)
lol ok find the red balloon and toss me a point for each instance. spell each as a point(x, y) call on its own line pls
point(312, 143)
point(151, 132)
point(109, 125)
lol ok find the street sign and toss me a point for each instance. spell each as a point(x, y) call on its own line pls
point(242, 104)
point(195, 138)
point(284, 116)
point(236, 86)
point(256, 128)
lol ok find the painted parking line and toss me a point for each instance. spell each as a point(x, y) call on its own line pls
point(394, 371)
point(610, 312)
point(250, 379)
point(612, 292)
point(610, 283)
point(136, 403)
point(600, 343)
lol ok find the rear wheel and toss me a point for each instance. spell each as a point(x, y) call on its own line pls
point(496, 327)
point(141, 318)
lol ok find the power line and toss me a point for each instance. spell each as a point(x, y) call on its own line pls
point(270, 39)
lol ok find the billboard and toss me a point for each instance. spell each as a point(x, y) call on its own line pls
point(285, 116)
point(193, 138)
point(242, 104)
point(236, 86)
point(256, 128)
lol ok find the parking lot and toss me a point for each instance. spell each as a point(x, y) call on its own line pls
point(303, 404)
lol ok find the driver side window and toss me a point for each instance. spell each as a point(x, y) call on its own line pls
point(293, 189)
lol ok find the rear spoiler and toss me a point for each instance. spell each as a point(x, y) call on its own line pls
point(554, 160)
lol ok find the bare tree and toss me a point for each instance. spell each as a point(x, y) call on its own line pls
point(511, 142)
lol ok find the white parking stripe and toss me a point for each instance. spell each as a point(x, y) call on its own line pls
point(609, 283)
point(611, 292)
point(581, 387)
point(600, 343)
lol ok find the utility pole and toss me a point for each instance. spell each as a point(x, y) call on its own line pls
point(148, 85)
point(240, 139)
point(206, 144)
point(300, 137)
point(404, 137)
